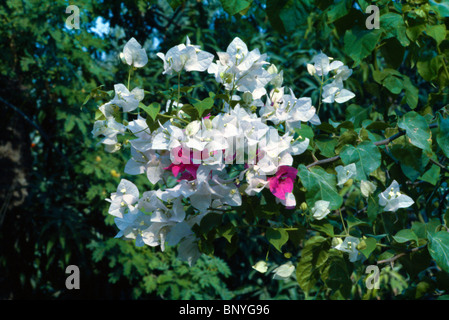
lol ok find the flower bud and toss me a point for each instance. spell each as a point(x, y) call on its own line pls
point(207, 123)
point(247, 97)
point(349, 183)
point(193, 127)
point(303, 206)
point(122, 57)
point(336, 242)
point(311, 69)
point(361, 245)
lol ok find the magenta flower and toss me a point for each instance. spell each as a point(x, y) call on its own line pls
point(183, 164)
point(282, 182)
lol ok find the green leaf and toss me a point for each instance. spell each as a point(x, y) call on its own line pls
point(437, 32)
point(273, 13)
point(423, 229)
point(442, 134)
point(277, 237)
point(293, 14)
point(370, 246)
point(320, 185)
point(336, 275)
point(439, 249)
point(152, 110)
point(175, 3)
point(373, 208)
point(394, 27)
point(441, 7)
point(203, 105)
point(428, 68)
point(359, 43)
point(235, 6)
point(353, 222)
point(391, 79)
point(305, 131)
point(417, 130)
point(366, 157)
point(69, 123)
point(339, 9)
point(405, 235)
point(326, 145)
point(313, 256)
point(357, 114)
point(432, 175)
point(286, 15)
point(414, 31)
point(349, 137)
point(411, 159)
point(411, 93)
point(227, 231)
point(323, 226)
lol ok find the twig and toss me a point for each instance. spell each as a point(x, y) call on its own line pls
point(392, 259)
point(318, 162)
point(36, 126)
point(439, 165)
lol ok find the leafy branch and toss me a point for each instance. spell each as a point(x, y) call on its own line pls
point(377, 143)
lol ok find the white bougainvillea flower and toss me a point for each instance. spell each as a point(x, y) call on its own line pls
point(261, 266)
point(125, 99)
point(126, 196)
point(167, 137)
point(148, 162)
point(139, 128)
point(300, 110)
point(132, 225)
point(349, 245)
point(367, 188)
point(321, 209)
point(335, 92)
point(163, 220)
point(283, 272)
point(392, 199)
point(133, 54)
point(229, 193)
point(255, 184)
point(109, 129)
point(137, 163)
point(241, 69)
point(185, 57)
point(286, 108)
point(278, 76)
point(322, 65)
point(299, 145)
point(345, 173)
point(342, 73)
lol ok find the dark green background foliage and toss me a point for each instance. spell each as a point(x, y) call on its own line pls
point(55, 177)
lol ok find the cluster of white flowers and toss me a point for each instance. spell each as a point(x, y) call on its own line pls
point(334, 91)
point(200, 154)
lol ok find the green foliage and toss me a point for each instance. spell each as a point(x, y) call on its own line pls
point(155, 274)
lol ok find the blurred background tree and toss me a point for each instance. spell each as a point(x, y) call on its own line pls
point(54, 178)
